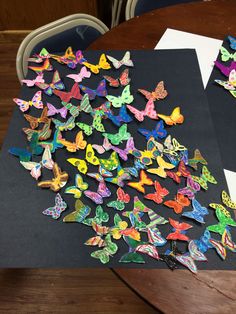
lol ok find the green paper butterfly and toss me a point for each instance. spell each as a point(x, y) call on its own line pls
point(109, 250)
point(64, 126)
point(111, 163)
point(78, 188)
point(97, 125)
point(125, 98)
point(226, 55)
point(118, 205)
point(132, 256)
point(84, 106)
point(224, 221)
point(119, 137)
point(99, 217)
point(205, 177)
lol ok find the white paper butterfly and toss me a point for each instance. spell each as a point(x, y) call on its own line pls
point(124, 61)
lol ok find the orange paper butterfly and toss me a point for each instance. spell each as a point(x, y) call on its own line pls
point(34, 122)
point(157, 197)
point(178, 203)
point(59, 180)
point(144, 180)
point(158, 93)
point(79, 143)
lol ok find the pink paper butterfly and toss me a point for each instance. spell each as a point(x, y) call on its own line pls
point(38, 79)
point(104, 147)
point(52, 111)
point(84, 73)
point(36, 102)
point(97, 197)
point(149, 111)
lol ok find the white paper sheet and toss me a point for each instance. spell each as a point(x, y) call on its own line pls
point(207, 50)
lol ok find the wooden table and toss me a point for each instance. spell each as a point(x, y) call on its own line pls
point(178, 291)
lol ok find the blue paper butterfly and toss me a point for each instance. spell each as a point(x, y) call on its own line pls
point(134, 171)
point(204, 243)
point(232, 42)
point(158, 132)
point(197, 213)
point(122, 116)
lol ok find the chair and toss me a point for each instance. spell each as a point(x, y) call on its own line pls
point(77, 30)
point(138, 7)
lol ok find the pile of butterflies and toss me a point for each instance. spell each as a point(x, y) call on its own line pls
point(163, 157)
point(229, 70)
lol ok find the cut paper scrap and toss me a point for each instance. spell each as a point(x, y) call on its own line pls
point(205, 177)
point(64, 126)
point(43, 134)
point(35, 167)
point(161, 170)
point(158, 132)
point(197, 213)
point(179, 230)
point(84, 73)
point(123, 116)
point(119, 137)
point(226, 243)
point(180, 201)
point(146, 156)
point(80, 164)
point(175, 118)
point(56, 84)
point(225, 69)
point(102, 64)
point(36, 102)
point(226, 55)
point(124, 98)
point(122, 80)
point(144, 180)
point(157, 94)
point(191, 189)
point(107, 251)
point(102, 191)
point(158, 195)
point(75, 110)
point(53, 110)
point(39, 79)
point(39, 69)
point(100, 91)
point(197, 158)
point(224, 221)
point(34, 121)
point(67, 96)
point(78, 188)
point(56, 211)
point(57, 182)
point(182, 172)
point(96, 125)
point(149, 111)
point(79, 214)
point(124, 61)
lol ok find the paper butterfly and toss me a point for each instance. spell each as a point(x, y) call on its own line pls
point(35, 167)
point(125, 98)
point(225, 69)
point(226, 55)
point(160, 171)
point(205, 177)
point(132, 256)
point(178, 203)
point(155, 219)
point(122, 199)
point(179, 230)
point(157, 94)
point(64, 126)
point(100, 217)
point(192, 188)
point(79, 143)
point(149, 111)
point(144, 180)
point(78, 188)
point(102, 148)
point(232, 41)
point(34, 122)
point(22, 153)
point(67, 96)
point(56, 183)
point(182, 171)
point(111, 163)
point(204, 243)
point(103, 173)
point(159, 194)
point(148, 249)
point(39, 69)
point(109, 249)
point(102, 191)
point(36, 102)
point(56, 84)
point(55, 143)
point(119, 225)
point(188, 259)
point(123, 153)
point(197, 158)
point(80, 213)
point(43, 134)
point(119, 137)
point(175, 118)
point(96, 125)
point(133, 171)
point(55, 211)
point(231, 83)
point(90, 155)
point(123, 80)
point(158, 132)
point(227, 200)
point(175, 147)
point(53, 110)
point(121, 117)
point(155, 237)
point(69, 58)
point(102, 64)
point(224, 221)
point(198, 212)
point(124, 61)
point(75, 110)
point(99, 91)
point(166, 146)
point(38, 58)
point(79, 163)
point(84, 73)
point(30, 83)
point(122, 176)
point(147, 155)
point(34, 145)
point(226, 242)
point(221, 208)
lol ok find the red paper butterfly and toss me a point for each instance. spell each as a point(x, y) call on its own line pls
point(182, 171)
point(66, 96)
point(158, 93)
point(122, 196)
point(157, 197)
point(178, 203)
point(179, 229)
point(123, 80)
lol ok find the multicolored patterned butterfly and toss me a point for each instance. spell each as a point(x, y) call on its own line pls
point(232, 41)
point(64, 126)
point(119, 137)
point(110, 163)
point(158, 195)
point(122, 176)
point(106, 146)
point(230, 84)
point(96, 125)
point(39, 79)
point(226, 243)
point(78, 144)
point(102, 173)
point(108, 250)
point(125, 98)
point(55, 84)
point(182, 172)
point(123, 153)
point(224, 221)
point(53, 110)
point(204, 243)
point(75, 110)
point(99, 91)
point(56, 211)
point(227, 200)
point(121, 117)
point(157, 94)
point(36, 102)
point(158, 132)
point(191, 189)
point(69, 58)
point(144, 180)
point(38, 58)
point(23, 154)
point(163, 165)
point(148, 249)
point(43, 134)
point(134, 171)
point(197, 158)
point(67, 96)
point(179, 230)
point(56, 183)
point(100, 217)
point(119, 225)
point(45, 67)
point(124, 61)
point(147, 155)
point(123, 80)
point(197, 213)
point(122, 199)
point(132, 256)
point(149, 111)
point(84, 73)
point(206, 177)
point(80, 213)
point(178, 203)
point(102, 191)
point(78, 188)
point(102, 64)
point(175, 118)
point(55, 143)
point(34, 121)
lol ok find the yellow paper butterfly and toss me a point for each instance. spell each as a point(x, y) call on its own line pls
point(174, 148)
point(90, 155)
point(174, 118)
point(78, 188)
point(221, 208)
point(79, 163)
point(227, 200)
point(111, 163)
point(102, 64)
point(68, 55)
point(79, 143)
point(160, 171)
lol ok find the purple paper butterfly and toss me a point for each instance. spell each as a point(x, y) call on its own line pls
point(224, 69)
point(52, 111)
point(99, 91)
point(97, 197)
point(191, 188)
point(55, 211)
point(123, 153)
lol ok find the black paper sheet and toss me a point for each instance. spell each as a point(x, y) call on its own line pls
point(30, 239)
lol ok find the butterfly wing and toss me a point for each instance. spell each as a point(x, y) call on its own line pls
point(124, 78)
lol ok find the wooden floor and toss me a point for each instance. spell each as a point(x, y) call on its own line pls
point(60, 290)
